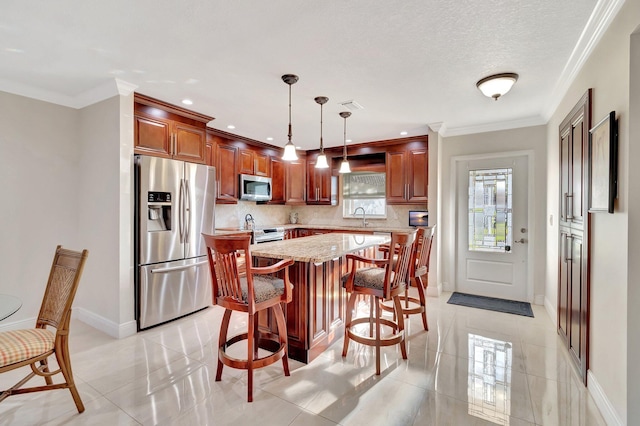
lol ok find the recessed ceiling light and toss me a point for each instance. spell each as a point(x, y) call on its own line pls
point(269, 138)
point(298, 147)
point(231, 127)
point(348, 140)
point(403, 133)
point(187, 101)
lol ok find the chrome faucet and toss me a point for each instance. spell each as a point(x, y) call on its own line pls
point(364, 216)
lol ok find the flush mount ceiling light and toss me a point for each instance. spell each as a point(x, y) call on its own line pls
point(289, 148)
point(497, 85)
point(344, 167)
point(321, 162)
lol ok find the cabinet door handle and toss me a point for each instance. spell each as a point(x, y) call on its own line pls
point(567, 204)
point(568, 249)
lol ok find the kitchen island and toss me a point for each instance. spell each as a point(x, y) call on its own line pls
point(315, 316)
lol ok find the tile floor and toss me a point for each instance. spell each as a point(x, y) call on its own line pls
point(473, 367)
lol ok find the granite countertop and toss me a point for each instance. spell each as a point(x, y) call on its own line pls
point(317, 248)
point(348, 228)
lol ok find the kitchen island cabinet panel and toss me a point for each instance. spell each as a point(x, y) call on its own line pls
point(315, 316)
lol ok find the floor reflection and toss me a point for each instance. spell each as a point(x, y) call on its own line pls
point(489, 388)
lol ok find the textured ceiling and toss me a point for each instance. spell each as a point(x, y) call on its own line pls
point(409, 63)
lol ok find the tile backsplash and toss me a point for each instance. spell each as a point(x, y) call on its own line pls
point(232, 215)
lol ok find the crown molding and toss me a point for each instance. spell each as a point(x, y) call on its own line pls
point(496, 126)
point(437, 127)
point(108, 89)
point(599, 21)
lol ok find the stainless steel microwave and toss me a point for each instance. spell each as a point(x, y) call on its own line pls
point(255, 188)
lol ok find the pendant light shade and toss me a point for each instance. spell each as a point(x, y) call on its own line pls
point(289, 148)
point(497, 85)
point(321, 162)
point(344, 166)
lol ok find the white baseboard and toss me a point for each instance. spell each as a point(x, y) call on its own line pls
point(538, 300)
point(18, 325)
point(434, 290)
point(551, 310)
point(113, 329)
point(609, 413)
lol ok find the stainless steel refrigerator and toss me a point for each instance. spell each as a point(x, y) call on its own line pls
point(174, 204)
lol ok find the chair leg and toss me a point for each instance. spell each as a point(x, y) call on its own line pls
point(256, 337)
point(222, 341)
point(250, 357)
point(282, 333)
point(378, 335)
point(371, 313)
point(62, 355)
point(398, 306)
point(423, 302)
point(347, 322)
point(45, 367)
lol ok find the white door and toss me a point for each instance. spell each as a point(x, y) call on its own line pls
point(492, 227)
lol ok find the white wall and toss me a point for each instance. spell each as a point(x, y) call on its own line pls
point(633, 289)
point(607, 72)
point(39, 175)
point(106, 299)
point(528, 138)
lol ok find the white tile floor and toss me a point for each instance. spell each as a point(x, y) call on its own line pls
point(473, 367)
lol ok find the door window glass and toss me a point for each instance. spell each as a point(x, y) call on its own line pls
point(490, 209)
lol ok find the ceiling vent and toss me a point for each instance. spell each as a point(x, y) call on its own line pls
point(352, 105)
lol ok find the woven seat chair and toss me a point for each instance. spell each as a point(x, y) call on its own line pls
point(33, 347)
point(385, 280)
point(418, 276)
point(245, 288)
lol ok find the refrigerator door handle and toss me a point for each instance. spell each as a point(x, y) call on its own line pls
point(187, 225)
point(177, 268)
point(181, 211)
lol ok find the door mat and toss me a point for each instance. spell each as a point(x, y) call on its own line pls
point(491, 304)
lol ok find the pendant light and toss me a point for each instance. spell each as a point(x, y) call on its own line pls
point(321, 162)
point(289, 148)
point(344, 167)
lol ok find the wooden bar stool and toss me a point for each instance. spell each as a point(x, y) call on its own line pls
point(418, 270)
point(385, 280)
point(247, 289)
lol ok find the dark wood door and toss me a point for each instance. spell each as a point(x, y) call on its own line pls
point(295, 182)
point(564, 280)
point(152, 137)
point(418, 177)
point(396, 177)
point(573, 256)
point(318, 184)
point(277, 181)
point(227, 173)
point(245, 161)
point(189, 143)
point(261, 164)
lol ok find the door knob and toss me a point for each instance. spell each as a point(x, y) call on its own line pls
point(521, 241)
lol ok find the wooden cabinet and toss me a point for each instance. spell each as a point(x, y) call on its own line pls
point(573, 246)
point(407, 174)
point(227, 172)
point(295, 181)
point(278, 181)
point(164, 130)
point(254, 162)
point(322, 187)
point(573, 296)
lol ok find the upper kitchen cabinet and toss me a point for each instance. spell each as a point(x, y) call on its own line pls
point(165, 130)
point(295, 181)
point(226, 163)
point(407, 173)
point(278, 181)
point(322, 187)
point(254, 162)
